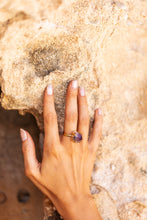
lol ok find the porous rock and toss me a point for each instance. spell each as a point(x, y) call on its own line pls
point(103, 44)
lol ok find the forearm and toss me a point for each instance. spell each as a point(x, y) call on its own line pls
point(82, 209)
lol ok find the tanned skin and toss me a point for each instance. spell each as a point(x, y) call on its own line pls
point(65, 171)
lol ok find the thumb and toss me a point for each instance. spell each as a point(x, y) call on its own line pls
point(32, 166)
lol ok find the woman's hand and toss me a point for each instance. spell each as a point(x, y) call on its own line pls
point(65, 172)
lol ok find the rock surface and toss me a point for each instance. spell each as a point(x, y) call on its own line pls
point(103, 44)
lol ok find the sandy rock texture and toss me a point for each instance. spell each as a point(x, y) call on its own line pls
point(103, 44)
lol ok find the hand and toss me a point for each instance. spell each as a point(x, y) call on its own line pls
point(65, 172)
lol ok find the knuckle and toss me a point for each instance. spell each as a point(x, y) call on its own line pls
point(24, 149)
point(84, 119)
point(83, 101)
point(96, 118)
point(49, 117)
point(54, 153)
point(28, 172)
point(83, 150)
point(98, 133)
point(93, 148)
point(72, 92)
point(51, 153)
point(50, 145)
point(71, 116)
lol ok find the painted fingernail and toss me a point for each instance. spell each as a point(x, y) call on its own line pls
point(99, 111)
point(23, 134)
point(74, 84)
point(82, 91)
point(49, 90)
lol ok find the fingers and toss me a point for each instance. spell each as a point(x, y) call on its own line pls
point(50, 117)
point(83, 115)
point(97, 130)
point(32, 166)
point(71, 110)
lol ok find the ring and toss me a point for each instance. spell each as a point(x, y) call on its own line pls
point(75, 136)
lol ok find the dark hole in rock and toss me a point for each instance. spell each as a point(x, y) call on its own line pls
point(95, 190)
point(3, 197)
point(23, 196)
point(45, 60)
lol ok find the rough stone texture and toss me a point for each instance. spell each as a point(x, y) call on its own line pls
point(103, 44)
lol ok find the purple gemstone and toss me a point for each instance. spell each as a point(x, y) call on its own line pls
point(77, 137)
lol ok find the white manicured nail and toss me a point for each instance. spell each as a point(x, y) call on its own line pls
point(100, 112)
point(23, 134)
point(74, 84)
point(82, 91)
point(49, 90)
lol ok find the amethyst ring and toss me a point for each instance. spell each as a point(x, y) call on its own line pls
point(75, 136)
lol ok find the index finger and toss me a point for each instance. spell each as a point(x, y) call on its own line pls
point(50, 117)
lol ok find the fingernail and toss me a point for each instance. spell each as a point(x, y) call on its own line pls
point(23, 134)
point(74, 84)
point(49, 90)
point(99, 111)
point(82, 91)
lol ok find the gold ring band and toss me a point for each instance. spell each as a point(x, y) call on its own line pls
point(68, 135)
point(75, 136)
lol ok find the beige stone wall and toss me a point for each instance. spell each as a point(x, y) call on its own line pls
point(103, 44)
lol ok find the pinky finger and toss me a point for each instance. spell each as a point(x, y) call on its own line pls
point(96, 131)
point(32, 166)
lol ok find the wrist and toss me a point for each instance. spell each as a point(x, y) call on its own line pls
point(79, 208)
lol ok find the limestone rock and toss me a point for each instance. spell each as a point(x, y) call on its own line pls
point(133, 210)
point(103, 44)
